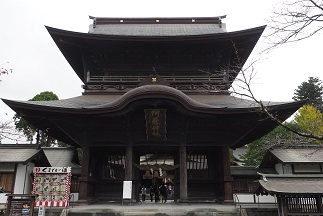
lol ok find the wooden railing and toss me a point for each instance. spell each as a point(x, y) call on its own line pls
point(219, 79)
point(304, 205)
point(244, 186)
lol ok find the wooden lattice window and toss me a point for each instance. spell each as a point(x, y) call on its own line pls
point(114, 167)
point(6, 182)
point(244, 185)
point(197, 167)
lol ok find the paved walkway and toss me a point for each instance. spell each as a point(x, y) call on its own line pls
point(169, 208)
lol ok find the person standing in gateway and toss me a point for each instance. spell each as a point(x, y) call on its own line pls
point(143, 193)
point(163, 193)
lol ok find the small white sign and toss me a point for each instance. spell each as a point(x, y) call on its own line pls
point(127, 189)
point(52, 169)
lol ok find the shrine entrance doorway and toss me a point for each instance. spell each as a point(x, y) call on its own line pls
point(157, 170)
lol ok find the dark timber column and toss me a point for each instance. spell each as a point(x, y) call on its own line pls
point(128, 164)
point(182, 174)
point(227, 178)
point(84, 175)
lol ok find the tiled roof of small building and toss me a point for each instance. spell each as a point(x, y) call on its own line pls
point(299, 155)
point(20, 153)
point(17, 155)
point(60, 157)
point(292, 184)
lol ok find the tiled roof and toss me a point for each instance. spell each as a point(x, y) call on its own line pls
point(198, 100)
point(17, 155)
point(157, 29)
point(61, 157)
point(292, 184)
point(157, 26)
point(299, 155)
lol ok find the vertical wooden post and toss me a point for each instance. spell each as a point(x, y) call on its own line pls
point(136, 176)
point(128, 163)
point(227, 178)
point(318, 201)
point(284, 206)
point(182, 174)
point(84, 175)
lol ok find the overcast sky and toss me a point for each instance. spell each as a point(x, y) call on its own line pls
point(39, 66)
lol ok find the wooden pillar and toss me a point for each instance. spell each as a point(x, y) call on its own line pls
point(318, 203)
point(279, 200)
point(182, 174)
point(284, 206)
point(136, 177)
point(128, 163)
point(227, 178)
point(176, 178)
point(83, 180)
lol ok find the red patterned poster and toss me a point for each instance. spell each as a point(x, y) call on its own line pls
point(52, 186)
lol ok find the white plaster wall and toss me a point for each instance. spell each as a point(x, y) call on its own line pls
point(243, 198)
point(29, 178)
point(266, 199)
point(7, 168)
point(74, 197)
point(307, 168)
point(23, 181)
point(279, 168)
point(251, 198)
point(3, 198)
point(288, 169)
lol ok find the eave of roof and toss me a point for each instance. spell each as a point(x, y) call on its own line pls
point(19, 153)
point(299, 155)
point(294, 155)
point(257, 31)
point(70, 43)
point(292, 184)
point(114, 103)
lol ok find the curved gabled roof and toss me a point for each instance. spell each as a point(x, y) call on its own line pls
point(112, 103)
point(68, 118)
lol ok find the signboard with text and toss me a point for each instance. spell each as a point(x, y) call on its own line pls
point(52, 186)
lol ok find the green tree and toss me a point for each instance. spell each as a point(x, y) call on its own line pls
point(279, 136)
point(310, 120)
point(312, 90)
point(29, 130)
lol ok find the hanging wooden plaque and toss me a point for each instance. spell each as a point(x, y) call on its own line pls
point(156, 124)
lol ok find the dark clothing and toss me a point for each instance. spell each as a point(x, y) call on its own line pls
point(151, 191)
point(163, 192)
point(156, 192)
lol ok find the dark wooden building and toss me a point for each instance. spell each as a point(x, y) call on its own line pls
point(298, 182)
point(155, 88)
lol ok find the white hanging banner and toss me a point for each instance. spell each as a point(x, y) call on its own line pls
point(127, 189)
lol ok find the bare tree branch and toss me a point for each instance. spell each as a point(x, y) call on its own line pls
point(8, 131)
point(5, 70)
point(294, 20)
point(244, 83)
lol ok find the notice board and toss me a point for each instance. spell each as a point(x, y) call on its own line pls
point(52, 186)
point(20, 204)
point(127, 189)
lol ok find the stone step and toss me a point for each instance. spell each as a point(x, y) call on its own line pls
point(150, 213)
